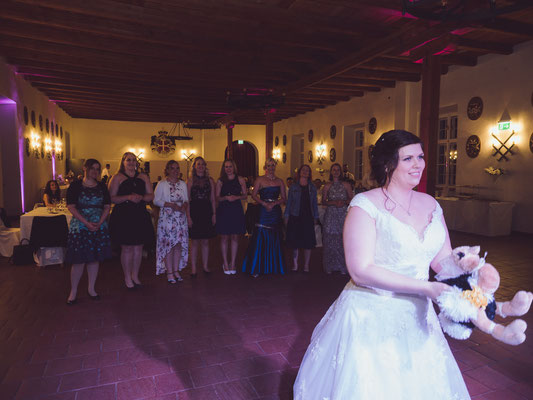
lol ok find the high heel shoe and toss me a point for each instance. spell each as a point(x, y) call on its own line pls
point(206, 271)
point(170, 278)
point(226, 270)
point(194, 275)
point(71, 302)
point(178, 277)
point(95, 297)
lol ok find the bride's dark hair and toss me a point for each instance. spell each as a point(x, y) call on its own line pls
point(384, 157)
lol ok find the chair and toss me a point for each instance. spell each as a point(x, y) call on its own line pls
point(9, 237)
point(48, 239)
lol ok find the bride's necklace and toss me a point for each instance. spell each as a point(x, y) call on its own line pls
point(389, 197)
point(272, 178)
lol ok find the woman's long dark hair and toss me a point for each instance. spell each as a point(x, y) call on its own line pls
point(121, 168)
point(330, 168)
point(53, 197)
point(223, 176)
point(384, 158)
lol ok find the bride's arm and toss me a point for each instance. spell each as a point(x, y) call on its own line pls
point(359, 246)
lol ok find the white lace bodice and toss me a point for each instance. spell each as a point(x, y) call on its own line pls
point(399, 247)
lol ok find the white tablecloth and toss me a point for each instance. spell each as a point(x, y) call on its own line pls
point(26, 220)
point(481, 217)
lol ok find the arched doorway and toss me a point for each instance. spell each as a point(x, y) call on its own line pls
point(245, 156)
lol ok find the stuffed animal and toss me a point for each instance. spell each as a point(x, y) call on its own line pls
point(470, 302)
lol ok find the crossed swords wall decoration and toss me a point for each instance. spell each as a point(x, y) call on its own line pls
point(503, 149)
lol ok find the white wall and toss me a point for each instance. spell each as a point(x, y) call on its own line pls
point(501, 81)
point(36, 172)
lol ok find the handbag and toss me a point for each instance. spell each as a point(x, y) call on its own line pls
point(22, 253)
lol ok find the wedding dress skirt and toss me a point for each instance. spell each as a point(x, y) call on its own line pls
point(377, 345)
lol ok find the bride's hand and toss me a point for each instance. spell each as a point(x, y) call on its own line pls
point(435, 289)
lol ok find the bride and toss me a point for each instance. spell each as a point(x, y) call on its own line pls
point(381, 338)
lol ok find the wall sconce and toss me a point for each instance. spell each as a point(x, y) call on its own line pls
point(58, 149)
point(139, 153)
point(276, 154)
point(453, 155)
point(320, 153)
point(505, 137)
point(48, 147)
point(187, 155)
point(35, 144)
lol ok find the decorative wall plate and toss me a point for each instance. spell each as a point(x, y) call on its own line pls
point(474, 108)
point(41, 122)
point(310, 156)
point(473, 146)
point(332, 155)
point(372, 125)
point(370, 150)
point(284, 140)
point(52, 127)
point(61, 131)
point(333, 131)
point(284, 158)
point(310, 135)
point(33, 122)
point(276, 141)
point(47, 125)
point(26, 118)
point(57, 129)
point(531, 143)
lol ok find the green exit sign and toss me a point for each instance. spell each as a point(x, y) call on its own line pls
point(240, 141)
point(503, 126)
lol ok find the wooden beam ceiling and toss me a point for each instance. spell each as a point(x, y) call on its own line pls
point(176, 60)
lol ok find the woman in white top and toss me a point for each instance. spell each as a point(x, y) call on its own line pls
point(381, 339)
point(172, 249)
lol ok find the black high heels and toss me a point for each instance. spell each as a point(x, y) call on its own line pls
point(71, 302)
point(95, 297)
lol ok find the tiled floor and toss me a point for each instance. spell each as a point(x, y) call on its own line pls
point(215, 337)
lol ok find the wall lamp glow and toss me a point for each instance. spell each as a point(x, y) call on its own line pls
point(505, 139)
point(320, 153)
point(35, 141)
point(187, 155)
point(276, 154)
point(139, 153)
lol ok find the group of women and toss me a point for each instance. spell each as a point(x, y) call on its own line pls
point(187, 211)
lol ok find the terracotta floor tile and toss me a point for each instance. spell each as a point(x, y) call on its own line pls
point(237, 337)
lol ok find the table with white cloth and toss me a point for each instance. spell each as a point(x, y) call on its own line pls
point(45, 255)
point(481, 217)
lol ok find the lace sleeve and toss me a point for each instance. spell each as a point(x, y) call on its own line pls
point(361, 201)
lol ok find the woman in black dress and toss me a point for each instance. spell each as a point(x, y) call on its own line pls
point(202, 216)
point(88, 240)
point(130, 224)
point(230, 190)
point(301, 213)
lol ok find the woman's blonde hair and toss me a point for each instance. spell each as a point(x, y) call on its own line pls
point(169, 164)
point(193, 174)
point(269, 159)
point(223, 175)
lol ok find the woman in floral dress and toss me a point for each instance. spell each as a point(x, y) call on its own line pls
point(336, 196)
point(172, 229)
point(88, 239)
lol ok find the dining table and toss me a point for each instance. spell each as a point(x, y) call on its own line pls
point(26, 220)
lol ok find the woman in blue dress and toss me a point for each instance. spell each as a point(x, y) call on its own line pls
point(264, 255)
point(230, 190)
point(88, 240)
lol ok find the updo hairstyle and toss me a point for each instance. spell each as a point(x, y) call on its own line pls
point(384, 158)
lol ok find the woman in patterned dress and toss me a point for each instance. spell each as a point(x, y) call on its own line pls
point(172, 249)
point(88, 240)
point(202, 215)
point(336, 196)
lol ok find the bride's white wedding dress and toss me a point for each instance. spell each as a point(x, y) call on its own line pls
point(373, 344)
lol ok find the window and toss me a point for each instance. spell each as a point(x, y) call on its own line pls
point(358, 155)
point(447, 154)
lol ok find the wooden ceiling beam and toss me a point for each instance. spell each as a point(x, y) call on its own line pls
point(330, 92)
point(18, 57)
point(508, 26)
point(209, 69)
point(364, 73)
point(140, 21)
point(482, 46)
point(341, 79)
point(43, 29)
point(391, 63)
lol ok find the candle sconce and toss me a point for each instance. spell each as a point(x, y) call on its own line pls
point(320, 153)
point(503, 146)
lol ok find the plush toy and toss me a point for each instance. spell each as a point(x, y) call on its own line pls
point(470, 302)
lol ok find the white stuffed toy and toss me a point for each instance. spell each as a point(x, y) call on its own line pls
point(470, 301)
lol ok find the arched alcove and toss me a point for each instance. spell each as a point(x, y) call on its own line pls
point(245, 156)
